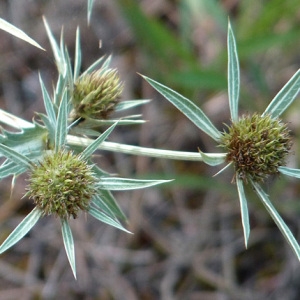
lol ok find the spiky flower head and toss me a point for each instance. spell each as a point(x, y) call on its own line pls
point(61, 184)
point(257, 146)
point(96, 94)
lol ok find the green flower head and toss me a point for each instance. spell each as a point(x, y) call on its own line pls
point(96, 94)
point(255, 145)
point(62, 184)
point(62, 181)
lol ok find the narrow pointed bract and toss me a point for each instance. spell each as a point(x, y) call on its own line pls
point(18, 158)
point(69, 244)
point(277, 219)
point(8, 27)
point(289, 171)
point(285, 97)
point(122, 184)
point(193, 112)
point(233, 75)
point(255, 145)
point(244, 209)
point(22, 229)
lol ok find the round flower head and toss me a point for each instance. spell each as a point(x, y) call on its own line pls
point(96, 94)
point(257, 146)
point(62, 184)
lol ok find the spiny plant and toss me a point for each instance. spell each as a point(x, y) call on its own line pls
point(63, 180)
point(255, 145)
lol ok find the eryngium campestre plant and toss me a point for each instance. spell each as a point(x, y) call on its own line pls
point(256, 145)
point(62, 183)
point(96, 94)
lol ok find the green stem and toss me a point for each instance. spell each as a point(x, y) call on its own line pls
point(152, 152)
point(218, 158)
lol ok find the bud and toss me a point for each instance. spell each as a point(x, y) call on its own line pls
point(257, 146)
point(96, 94)
point(61, 184)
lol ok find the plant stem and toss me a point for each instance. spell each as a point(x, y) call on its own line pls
point(18, 123)
point(136, 150)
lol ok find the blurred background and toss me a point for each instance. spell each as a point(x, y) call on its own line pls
point(188, 239)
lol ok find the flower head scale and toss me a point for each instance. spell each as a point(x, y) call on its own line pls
point(256, 145)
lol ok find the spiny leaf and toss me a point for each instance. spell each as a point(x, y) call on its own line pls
point(88, 151)
point(285, 97)
point(244, 209)
point(123, 105)
point(277, 219)
point(101, 216)
point(109, 201)
point(77, 63)
point(233, 75)
point(61, 126)
point(48, 105)
point(121, 184)
point(289, 171)
point(188, 108)
point(22, 229)
point(69, 244)
point(6, 26)
point(89, 10)
point(16, 157)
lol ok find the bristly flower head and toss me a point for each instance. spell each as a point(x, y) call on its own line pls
point(256, 145)
point(63, 181)
point(62, 184)
point(96, 94)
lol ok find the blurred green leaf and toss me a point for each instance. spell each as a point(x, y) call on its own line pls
point(194, 79)
point(255, 44)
